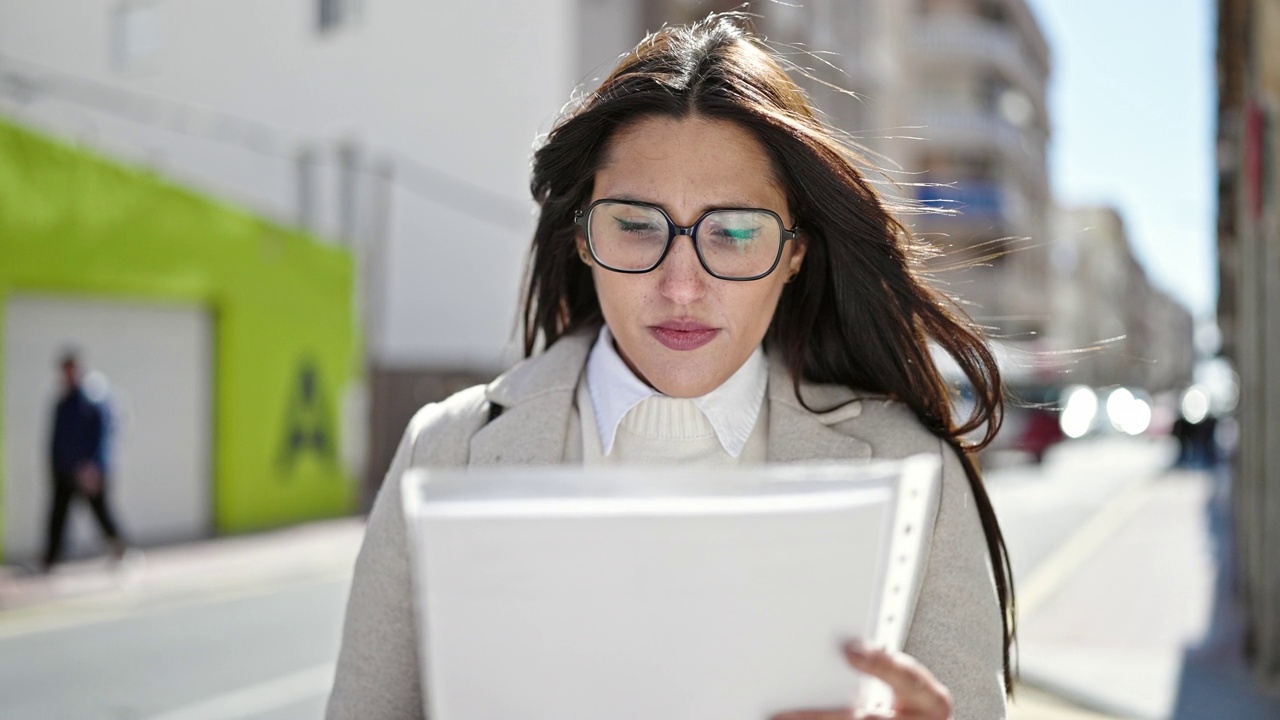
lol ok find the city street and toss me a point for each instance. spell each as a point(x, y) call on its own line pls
point(228, 281)
point(1041, 506)
point(248, 627)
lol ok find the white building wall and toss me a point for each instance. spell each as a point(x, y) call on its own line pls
point(452, 95)
point(606, 29)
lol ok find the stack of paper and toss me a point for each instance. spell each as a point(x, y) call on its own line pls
point(661, 592)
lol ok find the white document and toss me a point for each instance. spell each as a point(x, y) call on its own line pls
point(565, 593)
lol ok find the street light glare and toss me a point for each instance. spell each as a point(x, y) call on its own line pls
point(1195, 404)
point(1078, 411)
point(1128, 414)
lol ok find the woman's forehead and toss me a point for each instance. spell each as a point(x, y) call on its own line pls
point(691, 162)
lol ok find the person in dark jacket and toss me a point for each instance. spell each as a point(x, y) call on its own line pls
point(79, 461)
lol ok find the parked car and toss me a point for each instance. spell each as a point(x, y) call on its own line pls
point(1032, 426)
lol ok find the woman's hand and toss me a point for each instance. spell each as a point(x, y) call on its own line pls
point(917, 694)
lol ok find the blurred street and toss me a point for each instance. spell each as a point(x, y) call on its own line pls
point(243, 627)
point(1116, 558)
point(1113, 554)
point(228, 281)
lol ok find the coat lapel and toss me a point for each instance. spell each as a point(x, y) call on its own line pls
point(797, 435)
point(530, 433)
point(537, 398)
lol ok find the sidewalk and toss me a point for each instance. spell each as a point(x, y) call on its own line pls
point(1143, 627)
point(85, 590)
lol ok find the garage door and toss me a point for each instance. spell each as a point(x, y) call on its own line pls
point(156, 363)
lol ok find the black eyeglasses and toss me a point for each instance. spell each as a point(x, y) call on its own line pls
point(731, 243)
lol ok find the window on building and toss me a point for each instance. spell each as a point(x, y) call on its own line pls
point(994, 11)
point(948, 166)
point(136, 35)
point(334, 14)
point(992, 88)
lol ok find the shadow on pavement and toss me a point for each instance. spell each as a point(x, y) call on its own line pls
point(1215, 681)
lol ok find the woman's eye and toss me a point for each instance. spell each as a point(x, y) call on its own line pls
point(737, 234)
point(635, 226)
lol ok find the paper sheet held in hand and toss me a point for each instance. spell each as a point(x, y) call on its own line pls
point(666, 592)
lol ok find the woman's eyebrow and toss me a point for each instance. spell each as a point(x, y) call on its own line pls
point(629, 197)
point(726, 203)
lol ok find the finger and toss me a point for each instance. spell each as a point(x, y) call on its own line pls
point(915, 689)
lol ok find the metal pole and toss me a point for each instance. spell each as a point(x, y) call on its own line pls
point(305, 180)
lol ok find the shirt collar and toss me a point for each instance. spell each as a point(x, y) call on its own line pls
point(732, 409)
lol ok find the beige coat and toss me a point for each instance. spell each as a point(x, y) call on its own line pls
point(955, 630)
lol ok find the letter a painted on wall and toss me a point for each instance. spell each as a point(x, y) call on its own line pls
point(308, 421)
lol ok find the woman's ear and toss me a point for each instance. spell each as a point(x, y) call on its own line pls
point(583, 252)
point(799, 247)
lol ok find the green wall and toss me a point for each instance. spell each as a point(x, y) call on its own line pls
point(281, 303)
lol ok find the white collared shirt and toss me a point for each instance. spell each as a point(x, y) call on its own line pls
point(732, 409)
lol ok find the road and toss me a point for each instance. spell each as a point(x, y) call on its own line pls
point(243, 627)
point(1047, 511)
point(266, 655)
point(252, 635)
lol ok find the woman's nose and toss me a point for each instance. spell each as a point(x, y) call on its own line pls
point(683, 279)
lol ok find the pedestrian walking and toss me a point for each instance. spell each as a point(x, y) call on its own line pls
point(80, 461)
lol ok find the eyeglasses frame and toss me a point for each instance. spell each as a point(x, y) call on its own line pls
point(582, 218)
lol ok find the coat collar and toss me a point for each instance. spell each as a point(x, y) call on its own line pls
point(798, 435)
point(538, 395)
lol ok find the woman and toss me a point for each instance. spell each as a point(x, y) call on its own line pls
point(712, 280)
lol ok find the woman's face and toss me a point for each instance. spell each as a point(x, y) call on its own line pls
point(678, 328)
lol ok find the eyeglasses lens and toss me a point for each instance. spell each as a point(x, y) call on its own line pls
point(732, 243)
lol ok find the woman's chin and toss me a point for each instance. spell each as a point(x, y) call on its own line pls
point(684, 384)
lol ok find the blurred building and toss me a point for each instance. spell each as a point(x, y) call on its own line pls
point(403, 130)
point(1168, 330)
point(399, 129)
point(951, 105)
point(978, 70)
point(1110, 324)
point(222, 345)
point(1248, 63)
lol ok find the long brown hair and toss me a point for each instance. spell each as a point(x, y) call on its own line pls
point(858, 313)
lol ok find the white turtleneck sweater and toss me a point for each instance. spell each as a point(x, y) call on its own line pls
point(622, 420)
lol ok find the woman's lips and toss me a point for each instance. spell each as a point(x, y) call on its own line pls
point(683, 334)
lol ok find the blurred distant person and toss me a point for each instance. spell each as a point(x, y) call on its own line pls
point(1202, 446)
point(1196, 430)
point(79, 461)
